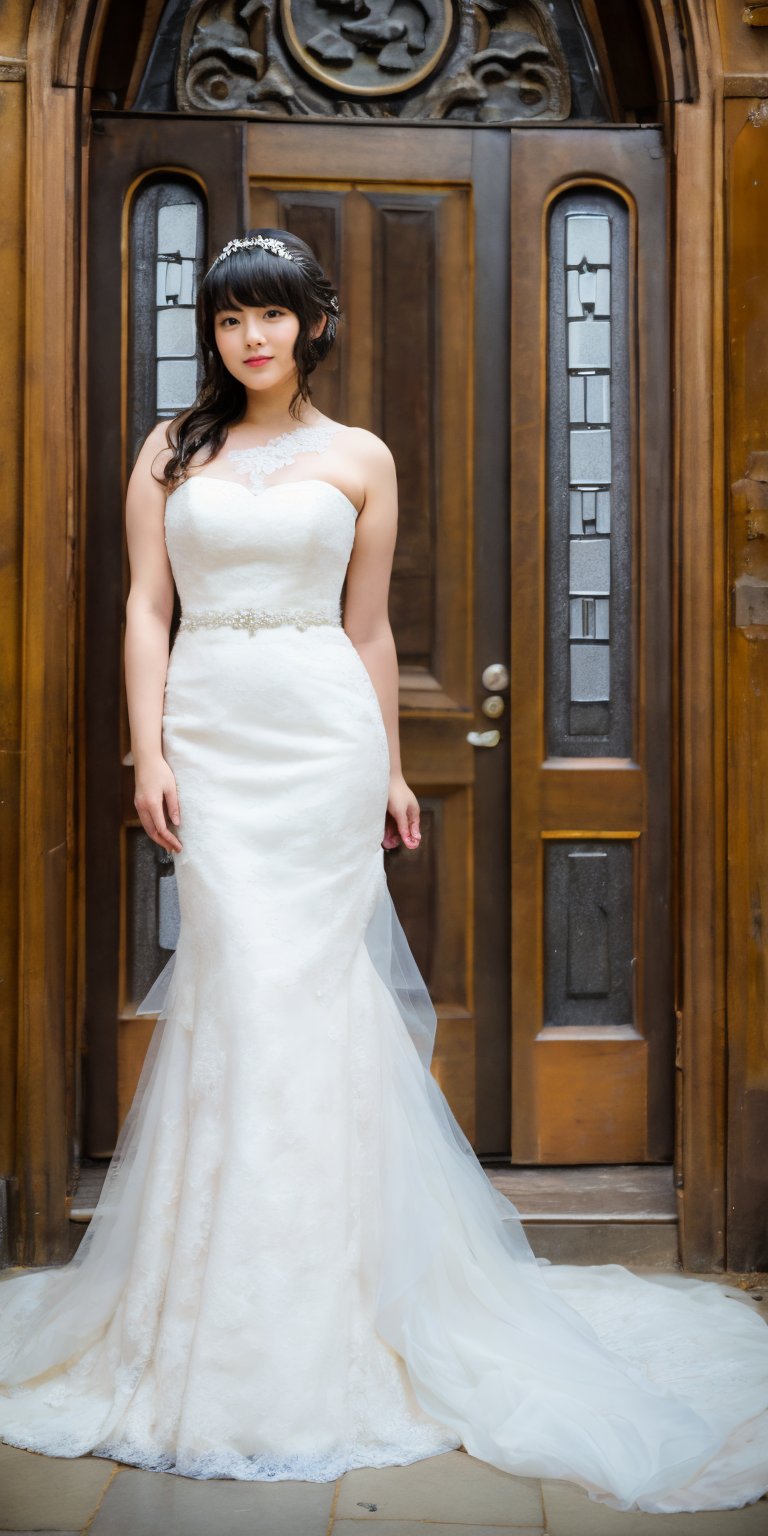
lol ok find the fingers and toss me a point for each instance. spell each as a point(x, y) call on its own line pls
point(403, 827)
point(165, 837)
point(153, 821)
point(408, 827)
point(408, 823)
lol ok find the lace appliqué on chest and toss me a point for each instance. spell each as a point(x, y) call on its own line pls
point(257, 464)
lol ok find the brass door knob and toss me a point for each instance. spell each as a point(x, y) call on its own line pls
point(495, 677)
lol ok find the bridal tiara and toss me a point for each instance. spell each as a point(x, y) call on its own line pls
point(268, 243)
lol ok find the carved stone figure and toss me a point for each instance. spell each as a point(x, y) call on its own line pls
point(453, 60)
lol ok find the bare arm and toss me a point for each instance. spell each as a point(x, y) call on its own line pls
point(366, 621)
point(148, 620)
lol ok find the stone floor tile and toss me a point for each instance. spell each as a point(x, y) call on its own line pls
point(568, 1512)
point(162, 1504)
point(453, 1487)
point(428, 1528)
point(39, 1493)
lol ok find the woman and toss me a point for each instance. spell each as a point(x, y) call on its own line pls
point(297, 1265)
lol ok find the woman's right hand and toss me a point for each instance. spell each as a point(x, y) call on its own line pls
point(155, 796)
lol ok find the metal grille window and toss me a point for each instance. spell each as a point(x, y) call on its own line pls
point(167, 257)
point(167, 249)
point(589, 640)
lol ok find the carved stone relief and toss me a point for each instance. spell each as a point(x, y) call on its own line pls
point(451, 60)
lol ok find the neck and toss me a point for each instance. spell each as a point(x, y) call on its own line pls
point(267, 410)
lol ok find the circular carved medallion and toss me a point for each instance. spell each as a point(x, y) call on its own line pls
point(367, 47)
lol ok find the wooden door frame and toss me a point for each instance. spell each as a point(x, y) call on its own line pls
point(62, 43)
point(120, 171)
point(616, 1082)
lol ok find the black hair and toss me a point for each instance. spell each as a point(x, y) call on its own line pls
point(255, 277)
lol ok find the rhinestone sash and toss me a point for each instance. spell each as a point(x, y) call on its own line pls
point(252, 619)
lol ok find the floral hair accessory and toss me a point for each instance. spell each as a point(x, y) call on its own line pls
point(267, 243)
point(276, 247)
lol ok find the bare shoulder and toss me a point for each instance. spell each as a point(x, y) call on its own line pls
point(369, 451)
point(146, 486)
point(156, 449)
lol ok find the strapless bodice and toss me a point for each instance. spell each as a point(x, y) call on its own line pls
point(286, 546)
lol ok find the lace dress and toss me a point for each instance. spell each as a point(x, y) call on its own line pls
point(297, 1265)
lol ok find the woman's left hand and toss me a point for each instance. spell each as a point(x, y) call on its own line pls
point(402, 819)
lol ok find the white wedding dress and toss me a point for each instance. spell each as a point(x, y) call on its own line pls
point(297, 1265)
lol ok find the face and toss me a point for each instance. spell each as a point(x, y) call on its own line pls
point(256, 344)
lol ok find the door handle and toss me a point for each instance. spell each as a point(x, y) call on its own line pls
point(484, 738)
point(495, 677)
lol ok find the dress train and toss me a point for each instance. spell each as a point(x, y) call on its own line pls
point(297, 1265)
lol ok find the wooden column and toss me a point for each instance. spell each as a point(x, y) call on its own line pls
point(12, 96)
point(699, 557)
point(47, 1112)
point(746, 137)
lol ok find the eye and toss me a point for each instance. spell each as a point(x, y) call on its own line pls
point(274, 312)
point(228, 320)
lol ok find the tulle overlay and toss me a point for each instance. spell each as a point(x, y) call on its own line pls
point(297, 1266)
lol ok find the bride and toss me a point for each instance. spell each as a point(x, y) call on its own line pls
point(297, 1265)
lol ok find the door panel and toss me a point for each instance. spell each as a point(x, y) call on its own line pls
point(591, 599)
point(398, 226)
point(397, 223)
point(125, 881)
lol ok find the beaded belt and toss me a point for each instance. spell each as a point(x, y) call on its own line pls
point(258, 618)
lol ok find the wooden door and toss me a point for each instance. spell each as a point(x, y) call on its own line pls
point(487, 277)
point(400, 216)
point(592, 918)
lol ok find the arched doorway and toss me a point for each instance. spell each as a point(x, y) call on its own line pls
point(532, 615)
point(589, 892)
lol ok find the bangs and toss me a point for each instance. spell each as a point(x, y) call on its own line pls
point(251, 276)
point(254, 278)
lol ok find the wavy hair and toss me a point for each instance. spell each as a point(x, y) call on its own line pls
point(257, 278)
